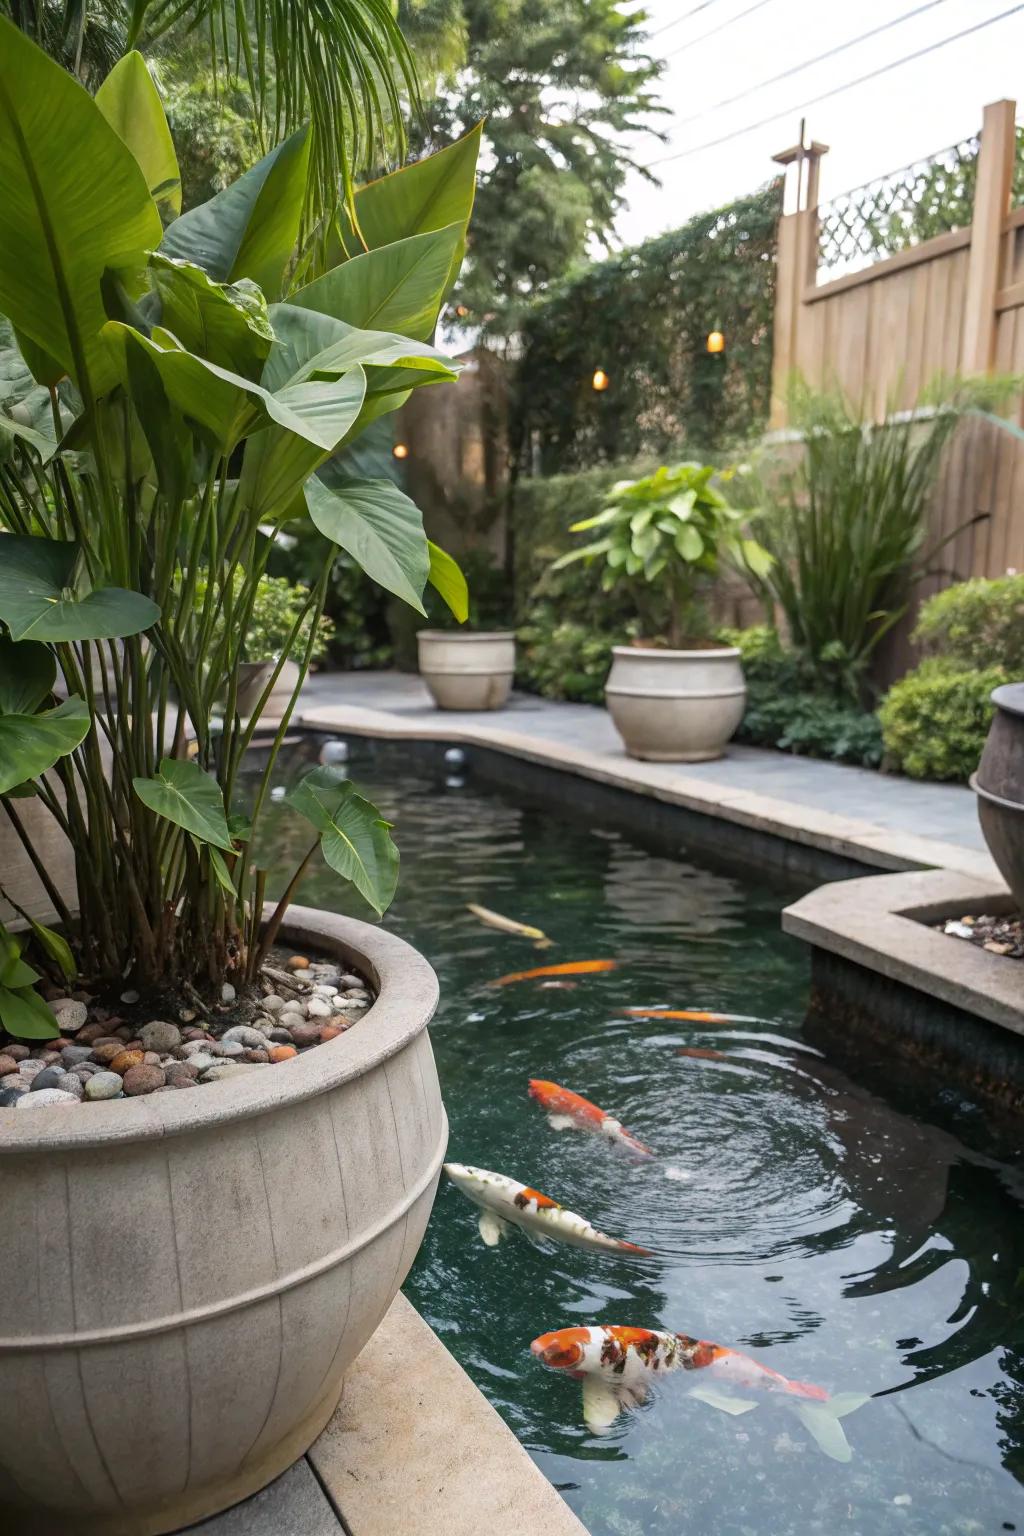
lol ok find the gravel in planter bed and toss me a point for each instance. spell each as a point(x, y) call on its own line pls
point(106, 1052)
point(999, 935)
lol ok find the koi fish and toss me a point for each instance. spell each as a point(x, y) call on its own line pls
point(568, 1111)
point(559, 986)
point(504, 1202)
point(618, 1365)
point(567, 968)
point(694, 1015)
point(509, 925)
point(702, 1055)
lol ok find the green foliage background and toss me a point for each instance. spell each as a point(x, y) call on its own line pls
point(644, 316)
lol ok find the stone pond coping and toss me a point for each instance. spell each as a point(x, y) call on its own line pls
point(882, 922)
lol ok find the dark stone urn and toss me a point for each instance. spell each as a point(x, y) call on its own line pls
point(999, 783)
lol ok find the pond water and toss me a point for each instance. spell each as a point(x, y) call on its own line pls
point(839, 1238)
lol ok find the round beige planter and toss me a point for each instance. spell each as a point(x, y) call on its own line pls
point(675, 706)
point(187, 1277)
point(466, 671)
point(281, 695)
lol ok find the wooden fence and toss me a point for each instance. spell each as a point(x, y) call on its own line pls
point(951, 304)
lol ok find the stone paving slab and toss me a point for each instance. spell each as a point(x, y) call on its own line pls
point(883, 821)
point(294, 1505)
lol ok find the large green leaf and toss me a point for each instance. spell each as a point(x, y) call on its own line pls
point(277, 463)
point(225, 323)
point(446, 578)
point(250, 229)
point(74, 204)
point(429, 194)
point(25, 1016)
point(398, 288)
point(131, 104)
point(378, 526)
point(181, 792)
point(28, 672)
point(41, 599)
point(309, 342)
point(30, 744)
point(354, 837)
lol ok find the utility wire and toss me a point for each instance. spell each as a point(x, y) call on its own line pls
point(714, 30)
point(685, 17)
point(796, 69)
point(837, 90)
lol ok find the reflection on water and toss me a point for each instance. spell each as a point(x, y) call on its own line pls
point(842, 1239)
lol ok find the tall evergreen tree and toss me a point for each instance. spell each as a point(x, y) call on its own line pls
point(559, 83)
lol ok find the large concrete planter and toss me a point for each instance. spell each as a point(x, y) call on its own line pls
point(467, 671)
point(187, 1277)
point(675, 706)
point(999, 784)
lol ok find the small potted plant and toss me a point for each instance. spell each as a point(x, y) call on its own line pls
point(674, 694)
point(276, 629)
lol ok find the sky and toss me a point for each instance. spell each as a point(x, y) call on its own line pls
point(905, 115)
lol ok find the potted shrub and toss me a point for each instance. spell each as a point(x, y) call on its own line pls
point(278, 628)
point(187, 1274)
point(674, 694)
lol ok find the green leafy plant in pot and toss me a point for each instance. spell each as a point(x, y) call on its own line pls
point(170, 401)
point(674, 695)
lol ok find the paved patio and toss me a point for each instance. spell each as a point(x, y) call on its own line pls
point(883, 814)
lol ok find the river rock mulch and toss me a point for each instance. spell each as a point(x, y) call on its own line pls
point(116, 1051)
point(999, 935)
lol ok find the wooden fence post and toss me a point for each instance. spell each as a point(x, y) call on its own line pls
point(991, 205)
point(796, 263)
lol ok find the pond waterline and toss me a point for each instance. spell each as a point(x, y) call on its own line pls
point(840, 1238)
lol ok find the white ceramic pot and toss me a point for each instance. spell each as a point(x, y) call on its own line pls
point(286, 684)
point(675, 706)
point(187, 1277)
point(467, 671)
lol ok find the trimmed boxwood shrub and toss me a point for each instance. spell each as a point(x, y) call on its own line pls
point(978, 623)
point(935, 720)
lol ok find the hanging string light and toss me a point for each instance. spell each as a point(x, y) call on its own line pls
point(600, 380)
point(715, 342)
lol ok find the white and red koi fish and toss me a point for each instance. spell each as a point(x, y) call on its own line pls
point(509, 925)
point(618, 1365)
point(568, 1111)
point(504, 1202)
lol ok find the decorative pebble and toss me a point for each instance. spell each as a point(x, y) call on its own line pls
point(298, 963)
point(318, 1008)
point(222, 1069)
point(255, 1055)
point(305, 1035)
point(201, 1060)
point(7, 1064)
point(71, 1015)
point(70, 1083)
point(348, 980)
point(181, 1074)
point(16, 1052)
point(227, 993)
point(158, 1035)
point(125, 1060)
point(243, 1034)
point(331, 1032)
point(143, 1079)
point(282, 1052)
point(74, 1055)
point(10, 1096)
point(281, 1036)
point(50, 1077)
point(106, 1050)
point(103, 1085)
point(129, 997)
point(225, 1048)
point(273, 1002)
point(325, 989)
point(29, 1068)
point(45, 1098)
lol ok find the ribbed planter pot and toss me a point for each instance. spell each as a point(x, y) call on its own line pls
point(999, 785)
point(187, 1277)
point(467, 671)
point(675, 706)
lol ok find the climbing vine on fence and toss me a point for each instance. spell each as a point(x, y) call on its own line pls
point(643, 316)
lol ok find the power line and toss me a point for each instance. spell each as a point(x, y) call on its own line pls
point(685, 17)
point(837, 90)
point(796, 69)
point(714, 30)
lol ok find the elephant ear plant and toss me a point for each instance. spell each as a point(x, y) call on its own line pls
point(664, 537)
point(167, 405)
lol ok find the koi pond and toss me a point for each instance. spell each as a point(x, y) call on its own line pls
point(843, 1239)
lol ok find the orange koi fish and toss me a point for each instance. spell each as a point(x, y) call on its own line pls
point(567, 968)
point(617, 1366)
point(702, 1055)
point(694, 1015)
point(568, 1111)
point(504, 1202)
